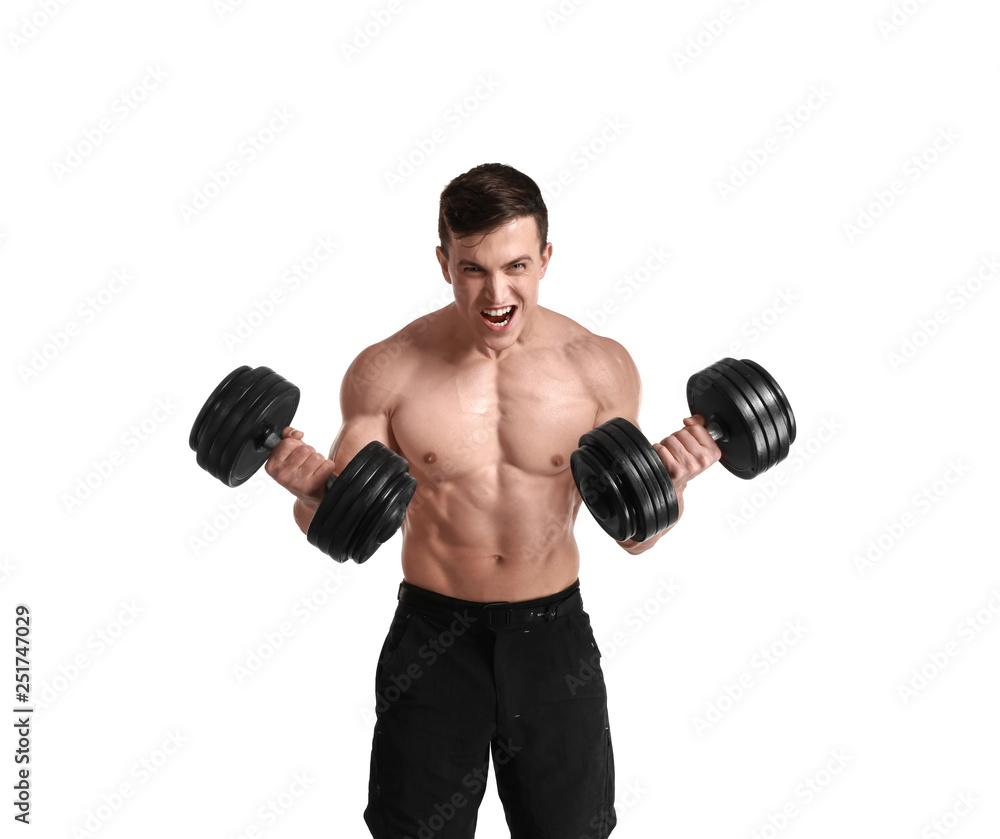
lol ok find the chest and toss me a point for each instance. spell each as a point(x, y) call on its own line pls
point(455, 420)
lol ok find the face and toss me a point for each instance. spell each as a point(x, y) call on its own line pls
point(496, 271)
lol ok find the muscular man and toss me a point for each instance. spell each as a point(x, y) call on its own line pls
point(490, 648)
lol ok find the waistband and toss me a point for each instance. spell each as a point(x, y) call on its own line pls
point(502, 613)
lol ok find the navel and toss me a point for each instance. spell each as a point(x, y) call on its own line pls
point(430, 457)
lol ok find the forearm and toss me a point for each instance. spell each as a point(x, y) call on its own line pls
point(303, 512)
point(636, 548)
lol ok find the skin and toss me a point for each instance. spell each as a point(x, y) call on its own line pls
point(487, 422)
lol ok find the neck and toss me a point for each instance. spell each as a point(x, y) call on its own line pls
point(469, 340)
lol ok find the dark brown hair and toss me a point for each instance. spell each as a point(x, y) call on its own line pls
point(487, 196)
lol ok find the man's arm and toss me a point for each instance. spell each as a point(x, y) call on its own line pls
point(365, 407)
point(685, 453)
point(619, 394)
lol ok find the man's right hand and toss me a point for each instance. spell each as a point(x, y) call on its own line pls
point(299, 468)
point(688, 452)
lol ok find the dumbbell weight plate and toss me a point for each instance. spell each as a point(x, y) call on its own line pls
point(271, 411)
point(393, 512)
point(766, 422)
point(655, 469)
point(337, 516)
point(386, 511)
point(363, 492)
point(223, 418)
point(625, 472)
point(324, 521)
point(648, 502)
point(670, 509)
point(770, 400)
point(222, 415)
point(779, 395)
point(210, 408)
point(712, 395)
point(239, 423)
point(355, 501)
point(362, 517)
point(590, 464)
point(215, 412)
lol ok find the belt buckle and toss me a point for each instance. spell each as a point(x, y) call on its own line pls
point(493, 613)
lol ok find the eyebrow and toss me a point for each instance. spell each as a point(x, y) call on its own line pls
point(522, 258)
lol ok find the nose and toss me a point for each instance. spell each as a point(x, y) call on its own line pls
point(496, 286)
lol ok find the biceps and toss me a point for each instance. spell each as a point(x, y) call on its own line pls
point(618, 387)
point(356, 433)
point(623, 403)
point(365, 406)
point(628, 412)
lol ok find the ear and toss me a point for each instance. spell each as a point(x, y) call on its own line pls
point(546, 256)
point(443, 262)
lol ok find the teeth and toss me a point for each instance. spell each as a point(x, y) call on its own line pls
point(497, 312)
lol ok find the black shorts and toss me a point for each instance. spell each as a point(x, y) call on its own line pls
point(457, 680)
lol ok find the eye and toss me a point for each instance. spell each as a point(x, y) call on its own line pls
point(471, 268)
point(519, 265)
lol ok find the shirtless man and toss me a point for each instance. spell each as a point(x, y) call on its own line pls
point(489, 648)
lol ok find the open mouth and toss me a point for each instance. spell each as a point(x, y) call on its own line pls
point(498, 319)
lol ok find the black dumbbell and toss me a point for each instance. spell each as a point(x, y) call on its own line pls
point(625, 484)
point(242, 421)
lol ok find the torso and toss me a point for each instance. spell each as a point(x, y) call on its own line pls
point(489, 442)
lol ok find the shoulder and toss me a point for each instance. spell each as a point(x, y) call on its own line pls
point(614, 361)
point(603, 362)
point(614, 380)
point(377, 374)
point(603, 367)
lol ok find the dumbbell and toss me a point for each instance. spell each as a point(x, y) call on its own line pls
point(624, 483)
point(243, 420)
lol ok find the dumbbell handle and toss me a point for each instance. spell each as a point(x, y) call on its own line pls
point(716, 431)
point(273, 438)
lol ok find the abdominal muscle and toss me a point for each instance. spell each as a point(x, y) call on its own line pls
point(489, 442)
point(495, 534)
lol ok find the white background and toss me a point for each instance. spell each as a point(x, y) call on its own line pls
point(645, 109)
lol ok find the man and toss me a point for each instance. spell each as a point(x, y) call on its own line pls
point(486, 399)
